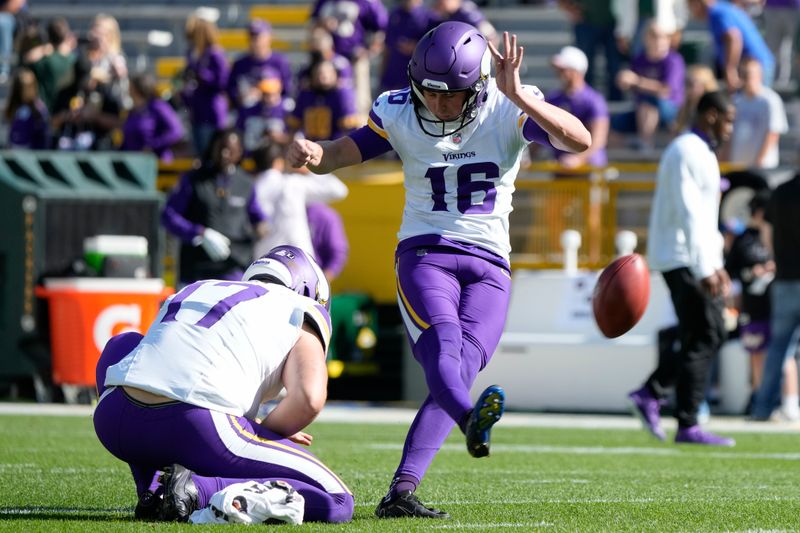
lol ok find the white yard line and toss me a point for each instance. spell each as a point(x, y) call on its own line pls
point(669, 450)
point(358, 413)
point(491, 526)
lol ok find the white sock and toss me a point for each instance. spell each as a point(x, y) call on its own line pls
point(791, 404)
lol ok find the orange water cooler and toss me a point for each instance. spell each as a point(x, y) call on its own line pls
point(86, 312)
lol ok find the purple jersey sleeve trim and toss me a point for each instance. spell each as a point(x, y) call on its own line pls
point(369, 143)
point(534, 133)
point(375, 118)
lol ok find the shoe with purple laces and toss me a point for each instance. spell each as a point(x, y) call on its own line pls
point(695, 435)
point(647, 408)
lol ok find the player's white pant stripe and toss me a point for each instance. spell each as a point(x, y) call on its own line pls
point(241, 445)
point(106, 392)
point(411, 327)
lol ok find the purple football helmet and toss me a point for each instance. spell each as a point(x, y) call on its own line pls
point(451, 57)
point(292, 267)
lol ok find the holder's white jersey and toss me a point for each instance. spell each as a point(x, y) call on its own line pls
point(220, 345)
point(458, 186)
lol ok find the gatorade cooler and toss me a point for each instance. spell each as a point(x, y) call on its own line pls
point(86, 312)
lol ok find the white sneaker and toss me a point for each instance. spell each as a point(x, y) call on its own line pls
point(787, 415)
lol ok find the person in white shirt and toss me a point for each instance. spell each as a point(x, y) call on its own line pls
point(179, 405)
point(460, 134)
point(283, 197)
point(685, 245)
point(760, 120)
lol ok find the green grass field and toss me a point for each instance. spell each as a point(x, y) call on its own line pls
point(55, 476)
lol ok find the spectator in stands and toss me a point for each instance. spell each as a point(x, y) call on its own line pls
point(463, 11)
point(784, 216)
point(8, 23)
point(699, 80)
point(320, 47)
point(55, 61)
point(214, 212)
point(685, 245)
point(656, 80)
point(204, 80)
point(408, 22)
point(578, 98)
point(283, 197)
point(735, 37)
point(87, 111)
point(633, 16)
point(29, 36)
point(324, 110)
point(267, 118)
point(329, 238)
point(760, 121)
point(357, 27)
point(110, 65)
point(781, 21)
point(750, 262)
point(593, 25)
point(260, 63)
point(152, 125)
point(26, 113)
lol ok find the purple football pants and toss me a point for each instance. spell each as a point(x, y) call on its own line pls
point(454, 308)
point(221, 449)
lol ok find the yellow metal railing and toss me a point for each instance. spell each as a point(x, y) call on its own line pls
point(282, 15)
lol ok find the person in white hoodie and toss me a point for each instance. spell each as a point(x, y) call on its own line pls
point(685, 245)
point(283, 197)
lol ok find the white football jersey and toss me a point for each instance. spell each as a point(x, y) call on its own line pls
point(219, 345)
point(458, 186)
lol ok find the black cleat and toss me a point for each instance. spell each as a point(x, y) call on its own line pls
point(147, 507)
point(406, 504)
point(180, 494)
point(488, 410)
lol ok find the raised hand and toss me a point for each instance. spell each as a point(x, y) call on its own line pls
point(507, 65)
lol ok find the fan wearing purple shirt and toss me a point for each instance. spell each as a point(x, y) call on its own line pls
point(261, 62)
point(152, 124)
point(26, 113)
point(656, 80)
point(324, 110)
point(205, 80)
point(350, 22)
point(320, 47)
point(465, 11)
point(267, 117)
point(582, 101)
point(408, 22)
point(357, 27)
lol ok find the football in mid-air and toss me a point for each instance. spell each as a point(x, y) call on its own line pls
point(621, 295)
